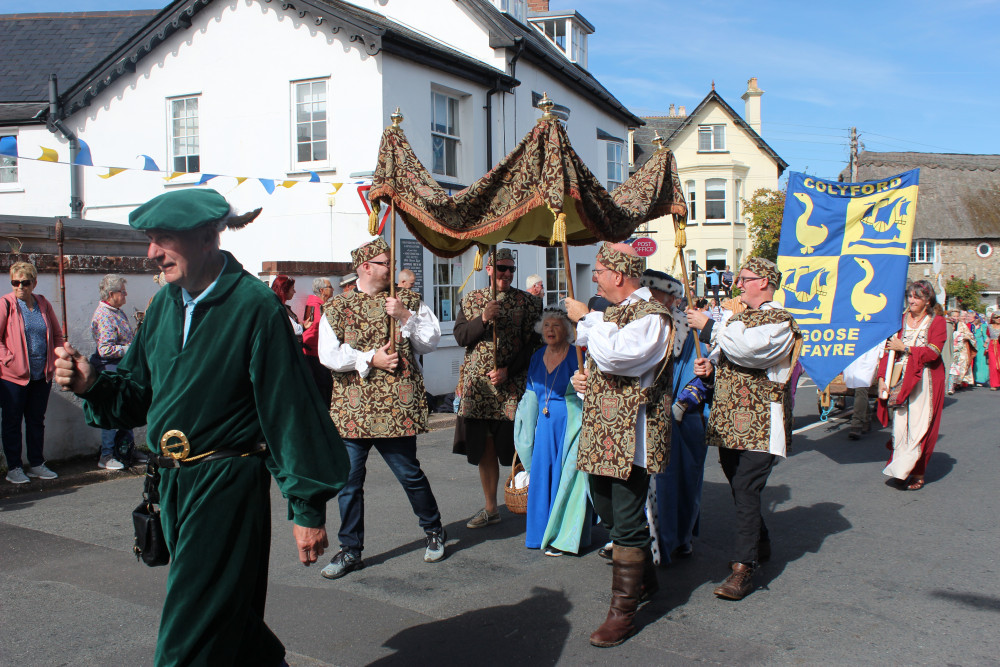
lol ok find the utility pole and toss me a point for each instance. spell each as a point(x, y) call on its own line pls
point(854, 155)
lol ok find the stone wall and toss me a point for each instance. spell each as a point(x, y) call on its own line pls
point(959, 259)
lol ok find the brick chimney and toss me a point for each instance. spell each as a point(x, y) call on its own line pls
point(672, 111)
point(538, 5)
point(751, 98)
point(682, 110)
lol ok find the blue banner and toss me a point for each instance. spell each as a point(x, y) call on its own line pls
point(843, 256)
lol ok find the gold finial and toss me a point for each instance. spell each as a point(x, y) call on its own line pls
point(396, 117)
point(545, 104)
point(658, 140)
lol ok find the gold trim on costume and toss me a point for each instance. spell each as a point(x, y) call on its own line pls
point(178, 450)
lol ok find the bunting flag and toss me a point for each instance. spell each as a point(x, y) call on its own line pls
point(8, 146)
point(836, 238)
point(148, 163)
point(289, 184)
point(48, 155)
point(205, 178)
point(268, 184)
point(83, 155)
point(239, 180)
point(313, 177)
point(112, 171)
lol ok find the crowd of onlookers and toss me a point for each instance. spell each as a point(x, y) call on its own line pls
point(973, 357)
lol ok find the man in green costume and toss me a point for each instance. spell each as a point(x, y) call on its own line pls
point(216, 375)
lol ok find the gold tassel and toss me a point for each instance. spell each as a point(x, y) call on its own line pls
point(373, 220)
point(558, 230)
point(477, 264)
point(680, 239)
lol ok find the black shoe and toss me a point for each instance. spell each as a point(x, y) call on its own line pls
point(342, 563)
point(683, 551)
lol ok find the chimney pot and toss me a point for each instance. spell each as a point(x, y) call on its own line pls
point(671, 112)
point(751, 99)
point(682, 111)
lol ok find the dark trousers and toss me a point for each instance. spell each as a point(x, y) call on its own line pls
point(400, 454)
point(747, 472)
point(322, 378)
point(23, 404)
point(621, 505)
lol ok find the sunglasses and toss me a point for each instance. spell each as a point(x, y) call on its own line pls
point(379, 263)
point(22, 283)
point(504, 269)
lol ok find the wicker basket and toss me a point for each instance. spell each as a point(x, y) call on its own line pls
point(515, 499)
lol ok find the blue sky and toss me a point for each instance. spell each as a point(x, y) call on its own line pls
point(911, 76)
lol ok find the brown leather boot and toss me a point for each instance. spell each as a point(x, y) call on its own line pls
point(738, 584)
point(628, 564)
point(650, 583)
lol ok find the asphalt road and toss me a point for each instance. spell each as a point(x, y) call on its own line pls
point(861, 573)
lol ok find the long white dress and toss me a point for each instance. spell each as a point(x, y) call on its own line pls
point(911, 420)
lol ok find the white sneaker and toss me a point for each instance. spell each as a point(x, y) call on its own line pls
point(41, 472)
point(110, 463)
point(17, 476)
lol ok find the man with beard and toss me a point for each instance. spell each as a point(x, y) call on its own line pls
point(492, 377)
point(378, 396)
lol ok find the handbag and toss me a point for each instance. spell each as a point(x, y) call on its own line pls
point(516, 499)
point(150, 545)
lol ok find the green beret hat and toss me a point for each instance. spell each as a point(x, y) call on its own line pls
point(181, 210)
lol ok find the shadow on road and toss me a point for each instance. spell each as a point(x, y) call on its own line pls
point(939, 466)
point(531, 632)
point(974, 600)
point(798, 531)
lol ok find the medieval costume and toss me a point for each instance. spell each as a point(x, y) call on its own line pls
point(981, 366)
point(372, 407)
point(963, 350)
point(915, 403)
point(222, 386)
point(993, 355)
point(751, 418)
point(626, 432)
point(675, 501)
point(486, 409)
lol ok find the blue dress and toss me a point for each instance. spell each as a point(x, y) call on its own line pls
point(548, 453)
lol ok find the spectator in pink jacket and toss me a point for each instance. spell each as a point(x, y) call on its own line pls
point(29, 335)
point(322, 292)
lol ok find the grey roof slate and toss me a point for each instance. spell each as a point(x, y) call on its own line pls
point(642, 138)
point(959, 195)
point(32, 46)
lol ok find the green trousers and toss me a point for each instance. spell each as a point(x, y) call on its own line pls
point(217, 523)
point(621, 505)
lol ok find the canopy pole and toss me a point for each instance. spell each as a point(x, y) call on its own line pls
point(572, 295)
point(60, 236)
point(392, 269)
point(493, 297)
point(681, 236)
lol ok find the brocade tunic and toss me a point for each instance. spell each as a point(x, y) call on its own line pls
point(369, 402)
point(516, 340)
point(240, 380)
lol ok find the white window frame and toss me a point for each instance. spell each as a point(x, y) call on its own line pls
point(714, 201)
point(454, 275)
point(716, 138)
point(982, 251)
point(692, 195)
point(448, 134)
point(312, 125)
point(9, 165)
point(190, 133)
point(738, 202)
point(614, 153)
point(556, 288)
point(919, 251)
point(578, 45)
point(518, 9)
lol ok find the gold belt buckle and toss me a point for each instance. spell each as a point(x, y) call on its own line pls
point(175, 445)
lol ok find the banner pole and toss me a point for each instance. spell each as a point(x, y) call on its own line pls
point(569, 291)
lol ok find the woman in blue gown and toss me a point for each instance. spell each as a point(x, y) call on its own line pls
point(546, 433)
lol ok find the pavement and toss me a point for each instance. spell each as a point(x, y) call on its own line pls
point(862, 573)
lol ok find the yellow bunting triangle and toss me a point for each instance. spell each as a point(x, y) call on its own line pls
point(112, 171)
point(48, 155)
point(174, 174)
point(288, 184)
point(336, 187)
point(240, 179)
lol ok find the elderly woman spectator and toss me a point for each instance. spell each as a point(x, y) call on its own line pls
point(284, 287)
point(322, 292)
point(993, 349)
point(915, 398)
point(29, 335)
point(113, 335)
point(546, 434)
point(534, 286)
point(963, 350)
point(981, 366)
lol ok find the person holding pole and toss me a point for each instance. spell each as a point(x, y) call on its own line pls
point(498, 335)
point(378, 395)
point(626, 423)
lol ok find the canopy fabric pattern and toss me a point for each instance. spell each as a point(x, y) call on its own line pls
point(521, 198)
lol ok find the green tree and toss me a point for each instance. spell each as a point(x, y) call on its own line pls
point(966, 292)
point(763, 212)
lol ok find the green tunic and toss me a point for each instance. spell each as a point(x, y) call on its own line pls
point(239, 380)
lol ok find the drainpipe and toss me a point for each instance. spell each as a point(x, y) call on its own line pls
point(519, 43)
point(56, 126)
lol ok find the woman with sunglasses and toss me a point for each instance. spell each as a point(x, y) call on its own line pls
point(29, 335)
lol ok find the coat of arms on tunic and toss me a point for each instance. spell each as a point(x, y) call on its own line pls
point(351, 337)
point(741, 422)
point(380, 425)
point(609, 407)
point(404, 390)
point(354, 396)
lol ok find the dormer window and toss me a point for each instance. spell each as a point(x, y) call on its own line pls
point(567, 31)
point(518, 9)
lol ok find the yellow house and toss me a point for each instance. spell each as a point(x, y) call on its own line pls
point(721, 159)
